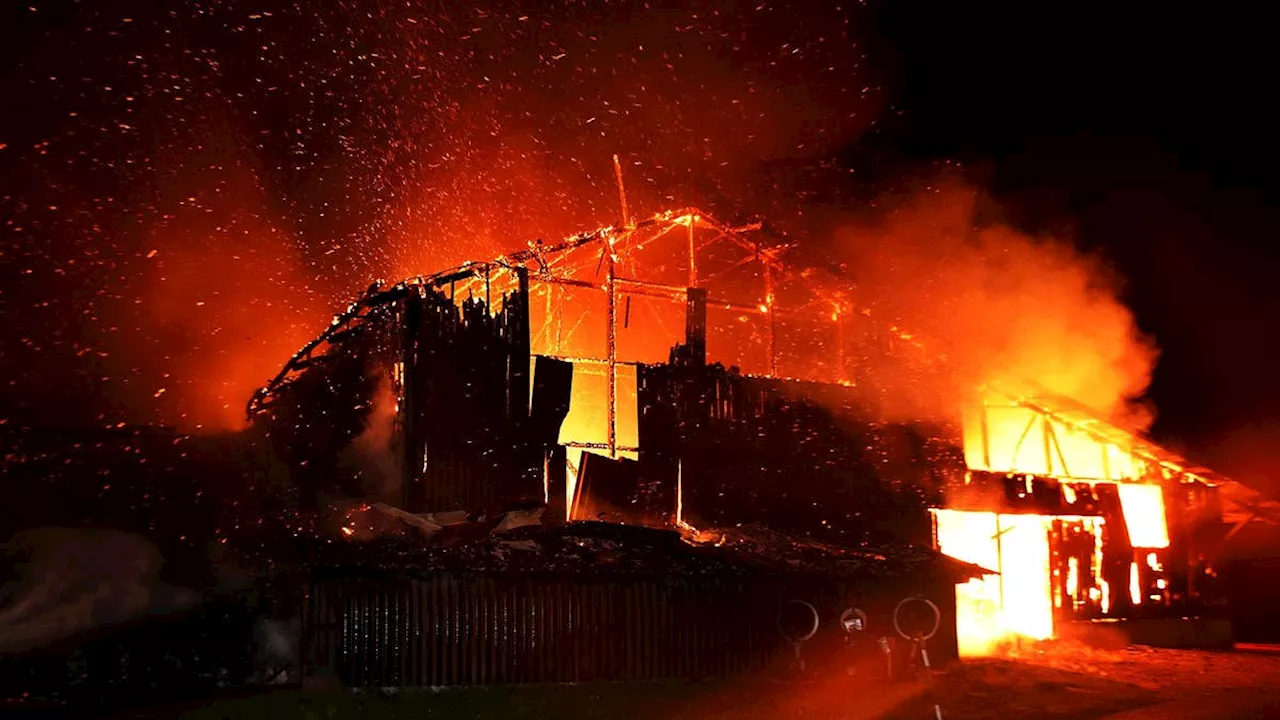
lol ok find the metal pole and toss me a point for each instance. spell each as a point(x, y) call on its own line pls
point(924, 656)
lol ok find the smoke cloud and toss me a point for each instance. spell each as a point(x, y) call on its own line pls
point(72, 581)
point(236, 178)
point(372, 454)
point(221, 290)
point(999, 303)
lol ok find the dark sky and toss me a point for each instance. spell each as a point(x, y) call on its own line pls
point(188, 190)
point(1150, 134)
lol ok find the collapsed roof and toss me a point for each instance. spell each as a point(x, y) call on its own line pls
point(619, 297)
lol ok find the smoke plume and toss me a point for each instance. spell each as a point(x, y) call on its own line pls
point(72, 581)
point(222, 291)
point(998, 303)
point(372, 454)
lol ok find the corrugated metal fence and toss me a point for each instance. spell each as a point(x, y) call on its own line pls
point(456, 629)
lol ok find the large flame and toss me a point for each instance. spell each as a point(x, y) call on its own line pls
point(1002, 436)
point(1001, 433)
point(1016, 601)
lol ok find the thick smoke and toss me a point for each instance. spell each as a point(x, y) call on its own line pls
point(372, 456)
point(232, 306)
point(72, 581)
point(998, 303)
point(216, 285)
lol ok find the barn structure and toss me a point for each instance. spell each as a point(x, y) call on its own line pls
point(675, 374)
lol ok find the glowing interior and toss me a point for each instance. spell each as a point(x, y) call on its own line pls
point(1014, 603)
point(1143, 507)
point(1001, 436)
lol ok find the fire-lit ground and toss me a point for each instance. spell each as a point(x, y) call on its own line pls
point(1050, 682)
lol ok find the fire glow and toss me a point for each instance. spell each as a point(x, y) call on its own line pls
point(1143, 507)
point(1018, 599)
point(1014, 601)
point(609, 300)
point(1001, 434)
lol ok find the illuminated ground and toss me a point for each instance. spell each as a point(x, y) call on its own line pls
point(1053, 684)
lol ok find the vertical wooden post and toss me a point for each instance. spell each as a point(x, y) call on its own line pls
point(693, 255)
point(411, 470)
point(611, 289)
point(695, 325)
point(518, 323)
point(837, 318)
point(622, 191)
point(556, 484)
point(559, 315)
point(1048, 447)
point(768, 308)
point(999, 538)
point(986, 437)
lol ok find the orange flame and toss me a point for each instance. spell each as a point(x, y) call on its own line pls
point(997, 302)
point(998, 608)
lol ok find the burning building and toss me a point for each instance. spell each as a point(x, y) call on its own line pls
point(674, 373)
point(1083, 522)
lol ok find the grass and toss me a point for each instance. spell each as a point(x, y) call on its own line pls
point(977, 690)
point(1057, 682)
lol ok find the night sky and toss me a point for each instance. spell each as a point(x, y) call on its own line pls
point(1149, 135)
point(189, 190)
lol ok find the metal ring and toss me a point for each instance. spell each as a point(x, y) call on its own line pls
point(850, 612)
point(937, 616)
point(812, 631)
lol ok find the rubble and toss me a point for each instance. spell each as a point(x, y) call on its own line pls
point(424, 524)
